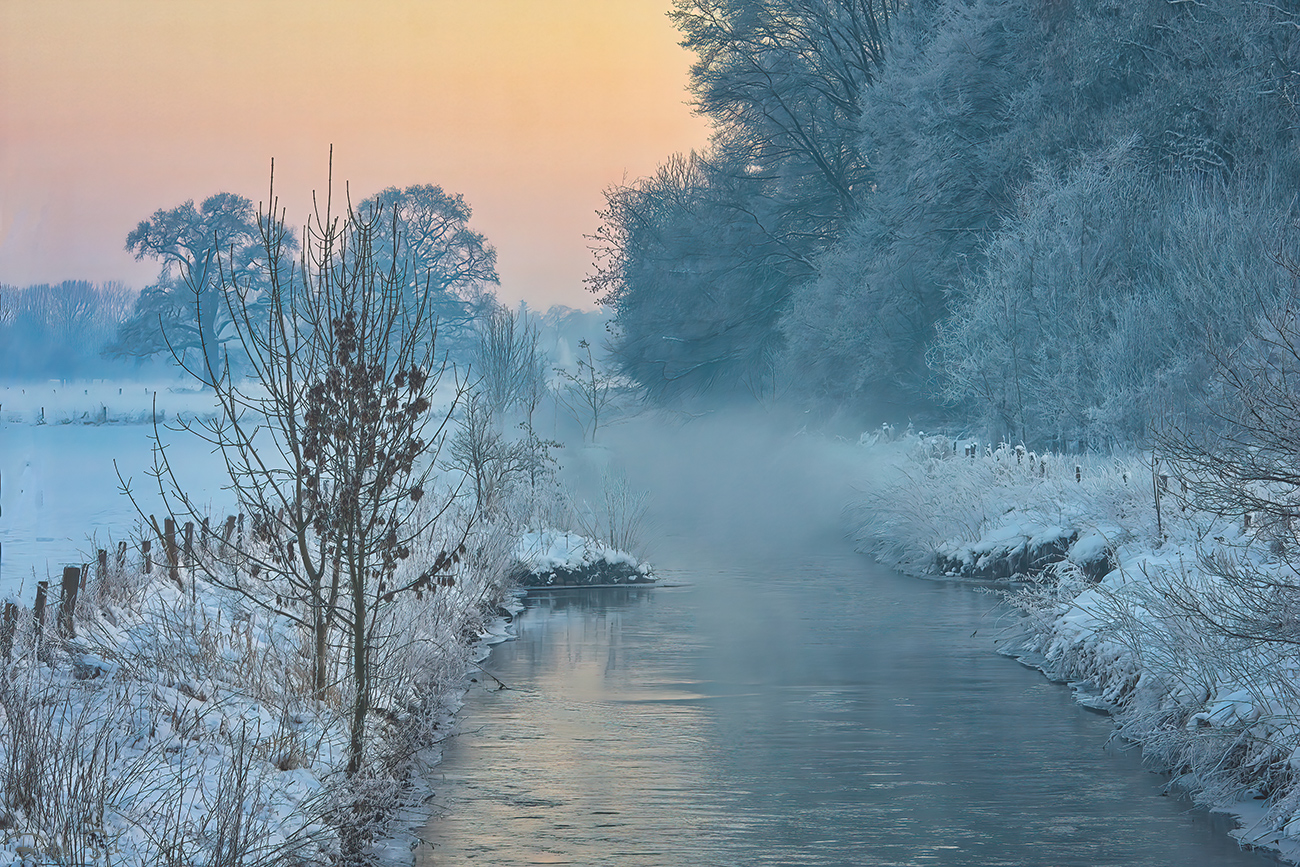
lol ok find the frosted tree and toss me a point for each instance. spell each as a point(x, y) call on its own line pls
point(1104, 299)
point(449, 266)
point(204, 252)
point(697, 274)
point(331, 447)
point(699, 260)
point(507, 364)
point(975, 100)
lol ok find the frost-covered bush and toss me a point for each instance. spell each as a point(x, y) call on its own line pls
point(927, 495)
point(1105, 299)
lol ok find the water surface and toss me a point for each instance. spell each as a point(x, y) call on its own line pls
point(815, 710)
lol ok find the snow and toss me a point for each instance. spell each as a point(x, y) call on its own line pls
point(1092, 545)
point(183, 704)
point(60, 496)
point(548, 550)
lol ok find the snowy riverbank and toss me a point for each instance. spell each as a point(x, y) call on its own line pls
point(557, 558)
point(175, 719)
point(1171, 619)
point(176, 723)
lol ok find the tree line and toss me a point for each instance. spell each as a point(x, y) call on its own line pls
point(1048, 218)
point(69, 329)
point(58, 330)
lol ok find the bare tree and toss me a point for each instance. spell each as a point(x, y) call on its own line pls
point(589, 393)
point(1241, 462)
point(510, 367)
point(489, 460)
point(331, 445)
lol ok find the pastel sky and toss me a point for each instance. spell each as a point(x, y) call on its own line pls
point(111, 109)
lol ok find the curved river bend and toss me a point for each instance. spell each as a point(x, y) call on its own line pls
point(810, 710)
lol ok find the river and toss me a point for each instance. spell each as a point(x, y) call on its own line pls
point(790, 702)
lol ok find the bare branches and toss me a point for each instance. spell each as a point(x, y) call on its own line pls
point(331, 445)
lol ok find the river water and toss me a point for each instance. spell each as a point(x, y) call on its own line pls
point(814, 712)
point(790, 702)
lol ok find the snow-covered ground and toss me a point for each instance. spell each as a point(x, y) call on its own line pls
point(98, 401)
point(178, 725)
point(60, 495)
point(175, 709)
point(62, 444)
point(558, 557)
point(1135, 612)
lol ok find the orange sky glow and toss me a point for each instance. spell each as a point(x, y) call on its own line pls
point(111, 109)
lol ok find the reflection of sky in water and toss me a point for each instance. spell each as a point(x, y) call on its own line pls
point(814, 711)
point(60, 496)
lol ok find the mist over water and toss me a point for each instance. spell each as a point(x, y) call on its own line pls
point(784, 700)
point(739, 480)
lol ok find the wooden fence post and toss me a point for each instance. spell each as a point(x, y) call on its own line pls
point(121, 556)
point(68, 601)
point(146, 548)
point(7, 628)
point(42, 588)
point(101, 563)
point(189, 542)
point(171, 550)
point(228, 533)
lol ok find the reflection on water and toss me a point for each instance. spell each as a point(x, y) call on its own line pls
point(812, 712)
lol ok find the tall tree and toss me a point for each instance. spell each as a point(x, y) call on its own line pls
point(698, 275)
point(979, 97)
point(204, 251)
point(448, 265)
point(330, 445)
point(784, 82)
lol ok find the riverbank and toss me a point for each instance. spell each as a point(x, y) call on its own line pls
point(172, 718)
point(167, 719)
point(1171, 619)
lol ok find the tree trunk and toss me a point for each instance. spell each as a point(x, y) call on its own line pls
point(360, 669)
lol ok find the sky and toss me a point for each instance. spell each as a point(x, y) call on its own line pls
point(113, 109)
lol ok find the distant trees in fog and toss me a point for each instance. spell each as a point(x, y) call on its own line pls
point(214, 249)
point(1045, 216)
point(57, 330)
point(202, 250)
point(448, 265)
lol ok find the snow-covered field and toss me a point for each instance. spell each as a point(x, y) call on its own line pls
point(1198, 668)
point(60, 495)
point(99, 401)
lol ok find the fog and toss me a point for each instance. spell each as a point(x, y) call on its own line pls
point(733, 479)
